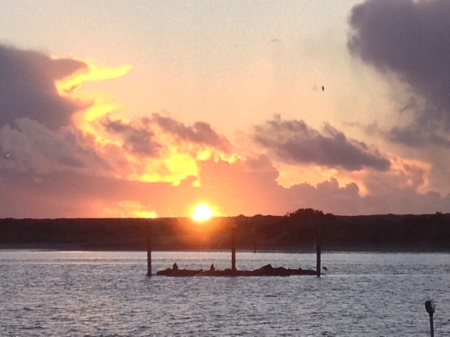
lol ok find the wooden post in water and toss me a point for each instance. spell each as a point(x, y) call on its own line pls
point(233, 247)
point(149, 251)
point(318, 250)
point(430, 306)
point(254, 238)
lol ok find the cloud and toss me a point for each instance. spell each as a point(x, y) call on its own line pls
point(252, 186)
point(244, 187)
point(200, 133)
point(153, 136)
point(70, 157)
point(410, 39)
point(160, 149)
point(27, 145)
point(404, 175)
point(294, 142)
point(37, 133)
point(416, 136)
point(27, 87)
point(136, 139)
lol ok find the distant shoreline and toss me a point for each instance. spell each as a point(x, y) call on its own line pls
point(87, 248)
point(293, 233)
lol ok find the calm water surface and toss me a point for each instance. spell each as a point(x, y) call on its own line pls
point(48, 293)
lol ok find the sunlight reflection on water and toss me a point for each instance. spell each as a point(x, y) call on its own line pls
point(107, 294)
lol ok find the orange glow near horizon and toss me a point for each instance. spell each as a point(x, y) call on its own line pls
point(128, 209)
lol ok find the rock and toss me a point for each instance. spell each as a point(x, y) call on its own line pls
point(266, 270)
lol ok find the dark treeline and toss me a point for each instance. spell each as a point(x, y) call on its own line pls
point(295, 231)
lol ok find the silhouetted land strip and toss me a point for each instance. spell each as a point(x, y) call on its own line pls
point(293, 232)
point(266, 270)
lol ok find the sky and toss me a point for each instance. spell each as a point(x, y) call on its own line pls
point(149, 108)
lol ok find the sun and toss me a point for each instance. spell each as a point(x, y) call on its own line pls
point(202, 213)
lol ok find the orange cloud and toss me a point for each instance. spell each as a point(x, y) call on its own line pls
point(69, 85)
point(162, 150)
point(177, 148)
point(99, 104)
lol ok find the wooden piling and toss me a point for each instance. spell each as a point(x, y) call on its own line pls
point(318, 250)
point(149, 252)
point(430, 306)
point(233, 247)
point(431, 326)
point(254, 238)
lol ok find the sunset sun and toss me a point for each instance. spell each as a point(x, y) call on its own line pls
point(202, 213)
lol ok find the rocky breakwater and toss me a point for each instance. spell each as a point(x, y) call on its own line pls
point(266, 270)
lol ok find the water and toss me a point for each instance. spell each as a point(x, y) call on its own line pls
point(51, 293)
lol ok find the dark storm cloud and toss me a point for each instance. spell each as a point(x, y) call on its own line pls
point(36, 131)
point(411, 39)
point(29, 146)
point(200, 133)
point(138, 140)
point(27, 87)
point(296, 143)
point(415, 136)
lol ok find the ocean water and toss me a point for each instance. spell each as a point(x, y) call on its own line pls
point(56, 293)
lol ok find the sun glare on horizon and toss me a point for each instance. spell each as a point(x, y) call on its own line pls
point(202, 213)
